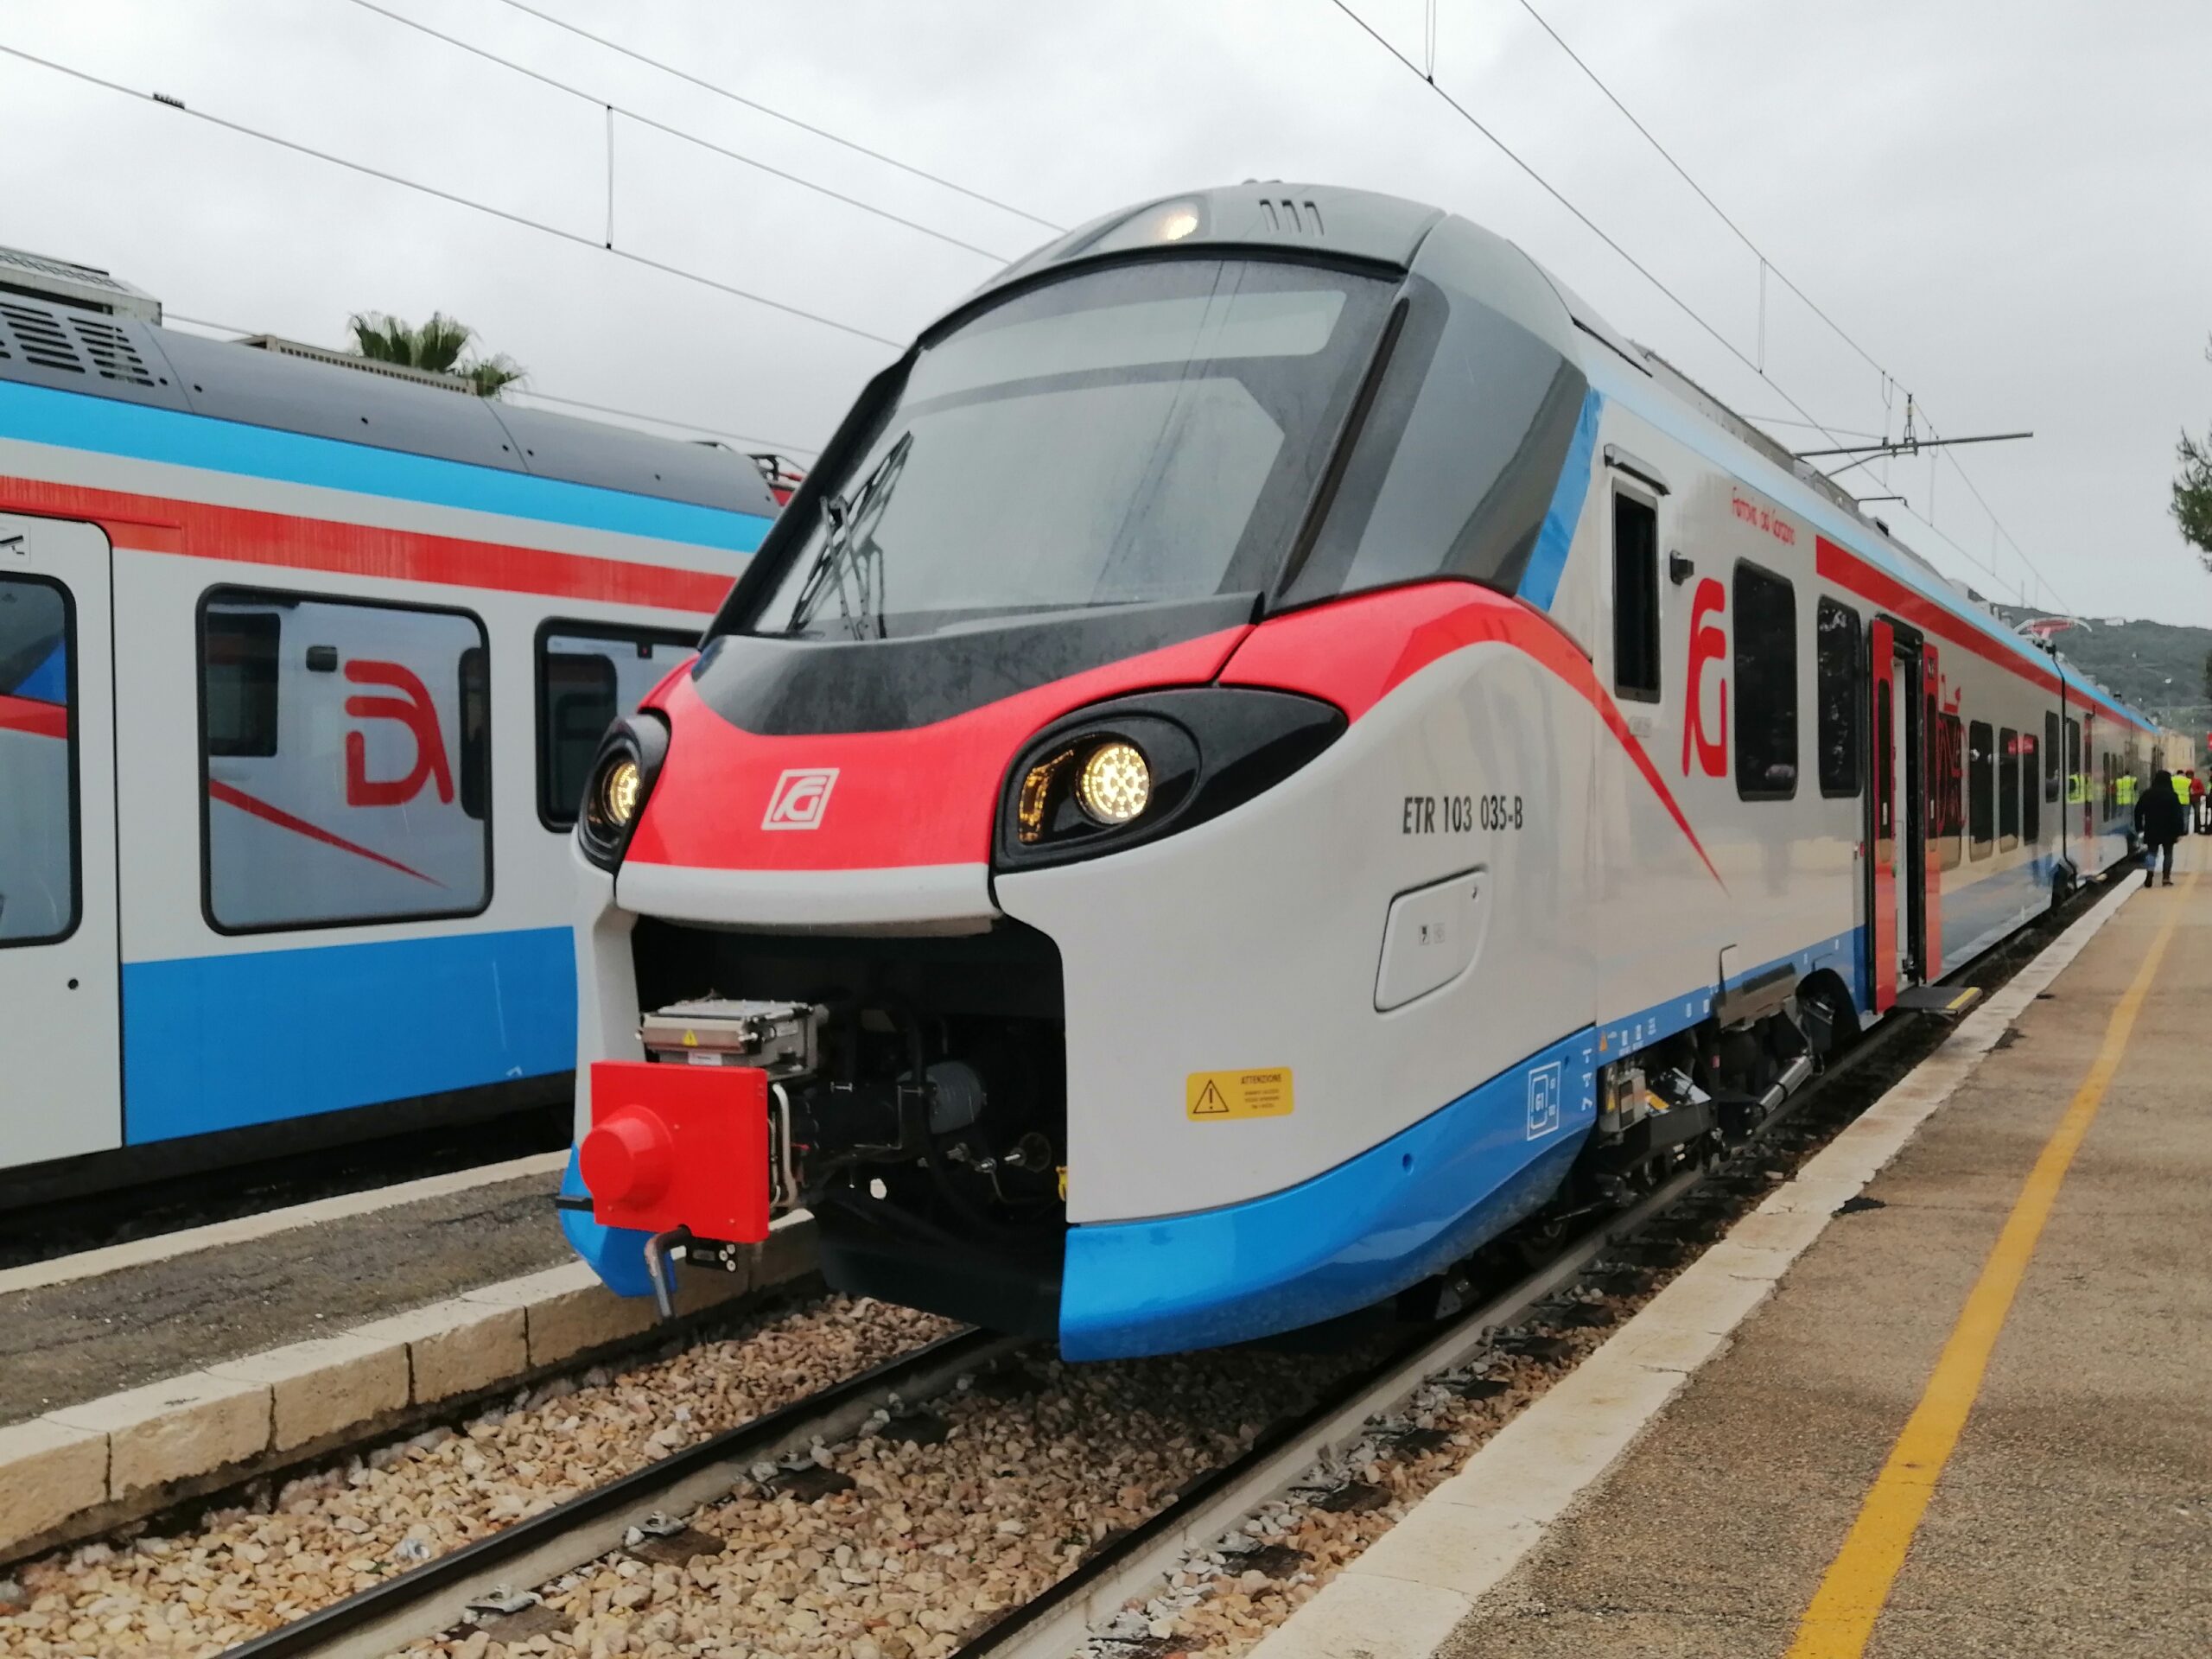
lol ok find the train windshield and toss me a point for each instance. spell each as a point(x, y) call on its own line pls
point(1141, 433)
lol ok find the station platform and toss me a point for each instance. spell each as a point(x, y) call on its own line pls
point(166, 1306)
point(1974, 1416)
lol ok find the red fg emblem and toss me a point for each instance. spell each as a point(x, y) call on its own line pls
point(412, 709)
point(802, 797)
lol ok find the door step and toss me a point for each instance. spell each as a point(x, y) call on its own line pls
point(1945, 1002)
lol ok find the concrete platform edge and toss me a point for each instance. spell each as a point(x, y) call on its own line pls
point(1406, 1595)
point(85, 1469)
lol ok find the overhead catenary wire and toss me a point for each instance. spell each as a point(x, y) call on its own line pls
point(776, 445)
point(1560, 196)
point(1767, 266)
point(453, 198)
point(599, 101)
point(754, 104)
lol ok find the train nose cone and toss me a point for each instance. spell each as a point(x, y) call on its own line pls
point(628, 1158)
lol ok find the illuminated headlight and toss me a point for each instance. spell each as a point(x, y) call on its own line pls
point(620, 784)
point(1115, 783)
point(620, 780)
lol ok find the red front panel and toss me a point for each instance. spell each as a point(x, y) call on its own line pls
point(679, 1146)
point(1883, 843)
point(730, 800)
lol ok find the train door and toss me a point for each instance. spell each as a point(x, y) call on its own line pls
point(1895, 806)
point(59, 1004)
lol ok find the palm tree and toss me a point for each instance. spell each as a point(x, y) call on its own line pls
point(438, 347)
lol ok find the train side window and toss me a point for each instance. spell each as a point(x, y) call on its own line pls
point(1947, 793)
point(2032, 790)
point(1981, 790)
point(2050, 758)
point(588, 675)
point(369, 801)
point(2076, 785)
point(240, 676)
point(1766, 685)
point(1836, 634)
point(38, 762)
point(1635, 599)
point(2008, 789)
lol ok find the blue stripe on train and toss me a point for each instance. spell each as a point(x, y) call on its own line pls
point(35, 415)
point(1548, 562)
point(1379, 1222)
point(221, 1042)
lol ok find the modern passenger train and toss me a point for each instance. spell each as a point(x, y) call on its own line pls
point(1275, 747)
point(300, 667)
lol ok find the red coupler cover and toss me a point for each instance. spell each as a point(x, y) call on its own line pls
point(679, 1146)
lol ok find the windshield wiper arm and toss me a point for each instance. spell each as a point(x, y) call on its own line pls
point(850, 544)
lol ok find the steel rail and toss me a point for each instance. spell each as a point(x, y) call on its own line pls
point(434, 1597)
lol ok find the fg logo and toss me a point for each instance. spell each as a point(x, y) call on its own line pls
point(802, 797)
point(1544, 1086)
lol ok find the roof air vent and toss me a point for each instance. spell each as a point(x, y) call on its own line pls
point(39, 337)
point(111, 352)
point(1298, 218)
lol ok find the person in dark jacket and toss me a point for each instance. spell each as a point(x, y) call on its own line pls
point(2157, 821)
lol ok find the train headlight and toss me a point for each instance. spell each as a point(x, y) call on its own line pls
point(620, 778)
point(620, 787)
point(1130, 770)
point(1115, 783)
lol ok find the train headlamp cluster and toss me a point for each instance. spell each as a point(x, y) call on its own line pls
point(1129, 771)
point(615, 789)
point(621, 786)
point(1106, 776)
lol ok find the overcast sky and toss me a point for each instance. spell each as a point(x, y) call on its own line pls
point(2003, 201)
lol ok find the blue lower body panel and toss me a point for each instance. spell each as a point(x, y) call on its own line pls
point(222, 1042)
point(1369, 1228)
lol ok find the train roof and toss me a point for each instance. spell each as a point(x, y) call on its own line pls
point(1300, 220)
point(107, 352)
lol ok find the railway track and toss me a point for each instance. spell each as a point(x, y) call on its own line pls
point(476, 1584)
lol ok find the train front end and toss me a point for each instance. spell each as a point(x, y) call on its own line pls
point(1061, 872)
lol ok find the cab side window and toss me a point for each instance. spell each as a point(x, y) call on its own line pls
point(1635, 599)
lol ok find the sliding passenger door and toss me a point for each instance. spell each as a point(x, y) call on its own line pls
point(1895, 808)
point(59, 1010)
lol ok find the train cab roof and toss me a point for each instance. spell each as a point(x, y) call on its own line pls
point(108, 353)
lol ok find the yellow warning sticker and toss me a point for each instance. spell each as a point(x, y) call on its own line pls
point(1237, 1094)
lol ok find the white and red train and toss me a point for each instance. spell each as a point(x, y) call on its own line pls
point(1273, 747)
point(301, 668)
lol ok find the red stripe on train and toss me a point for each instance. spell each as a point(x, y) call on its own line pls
point(1342, 652)
point(1846, 569)
point(151, 524)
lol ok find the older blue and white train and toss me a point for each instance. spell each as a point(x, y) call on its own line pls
point(300, 668)
point(1275, 747)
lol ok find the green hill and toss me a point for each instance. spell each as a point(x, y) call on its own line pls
point(2156, 666)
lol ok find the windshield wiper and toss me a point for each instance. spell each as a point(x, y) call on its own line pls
point(849, 548)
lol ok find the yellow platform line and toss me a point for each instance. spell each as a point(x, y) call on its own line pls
point(1857, 1583)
